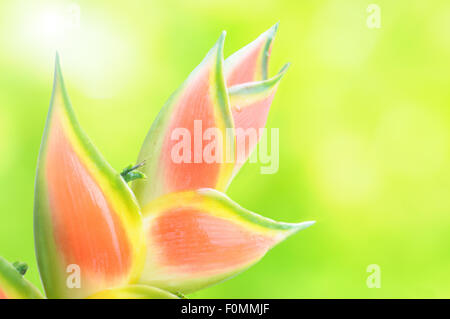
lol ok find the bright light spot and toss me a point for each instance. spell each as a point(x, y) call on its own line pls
point(52, 24)
point(96, 54)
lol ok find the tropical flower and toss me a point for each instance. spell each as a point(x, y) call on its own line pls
point(171, 233)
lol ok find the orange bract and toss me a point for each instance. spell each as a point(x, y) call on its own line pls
point(88, 232)
point(193, 104)
point(193, 241)
point(253, 116)
point(2, 295)
point(246, 70)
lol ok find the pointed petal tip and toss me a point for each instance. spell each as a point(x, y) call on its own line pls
point(273, 29)
point(58, 72)
point(201, 237)
point(269, 36)
point(293, 228)
point(304, 225)
point(255, 87)
point(289, 228)
point(270, 33)
point(57, 62)
point(273, 82)
point(218, 46)
point(282, 71)
point(221, 41)
point(285, 67)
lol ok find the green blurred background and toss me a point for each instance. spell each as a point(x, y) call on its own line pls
point(364, 118)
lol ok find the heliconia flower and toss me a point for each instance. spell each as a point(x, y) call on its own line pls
point(85, 214)
point(180, 233)
point(233, 94)
point(198, 238)
point(13, 285)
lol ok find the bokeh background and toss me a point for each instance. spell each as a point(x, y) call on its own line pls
point(364, 118)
